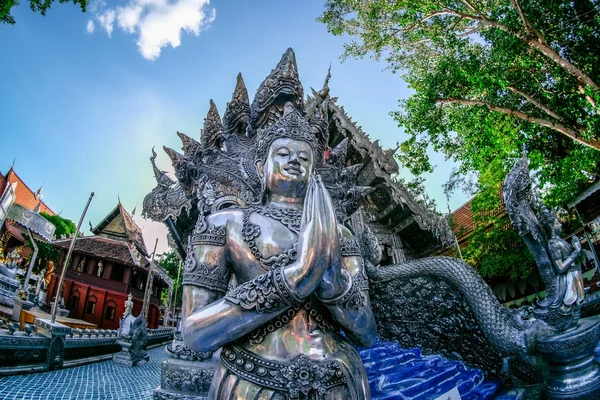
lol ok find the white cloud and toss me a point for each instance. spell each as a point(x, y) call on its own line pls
point(90, 26)
point(157, 23)
point(107, 20)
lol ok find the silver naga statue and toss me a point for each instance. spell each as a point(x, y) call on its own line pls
point(261, 212)
point(559, 262)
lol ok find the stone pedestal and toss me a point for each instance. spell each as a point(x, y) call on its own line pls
point(18, 306)
point(57, 333)
point(8, 288)
point(186, 374)
point(127, 356)
point(133, 338)
point(573, 372)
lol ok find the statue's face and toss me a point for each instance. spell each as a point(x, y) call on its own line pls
point(288, 166)
point(557, 227)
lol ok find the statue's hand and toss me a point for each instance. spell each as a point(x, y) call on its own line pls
point(576, 243)
point(304, 275)
point(334, 281)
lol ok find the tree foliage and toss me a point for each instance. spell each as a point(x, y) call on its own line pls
point(495, 247)
point(171, 262)
point(64, 227)
point(491, 78)
point(47, 252)
point(40, 6)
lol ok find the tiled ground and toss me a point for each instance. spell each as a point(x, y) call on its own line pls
point(104, 380)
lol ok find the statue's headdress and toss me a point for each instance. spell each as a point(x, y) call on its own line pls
point(291, 125)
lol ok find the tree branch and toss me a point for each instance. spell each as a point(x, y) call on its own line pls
point(536, 103)
point(528, 27)
point(558, 127)
point(533, 39)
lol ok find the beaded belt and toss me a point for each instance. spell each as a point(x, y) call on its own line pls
point(300, 375)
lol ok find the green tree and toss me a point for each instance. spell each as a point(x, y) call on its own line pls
point(40, 6)
point(171, 262)
point(491, 78)
point(47, 252)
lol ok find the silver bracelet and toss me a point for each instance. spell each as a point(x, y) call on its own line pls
point(352, 297)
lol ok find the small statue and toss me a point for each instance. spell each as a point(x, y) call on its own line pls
point(556, 260)
point(128, 306)
point(10, 270)
point(566, 261)
point(41, 283)
point(7, 271)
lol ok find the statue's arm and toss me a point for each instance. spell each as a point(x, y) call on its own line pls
point(562, 265)
point(350, 304)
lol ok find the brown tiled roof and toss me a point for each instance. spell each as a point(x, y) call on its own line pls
point(24, 195)
point(131, 231)
point(110, 249)
point(15, 231)
point(462, 221)
point(2, 183)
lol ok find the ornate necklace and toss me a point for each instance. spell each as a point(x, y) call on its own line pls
point(289, 217)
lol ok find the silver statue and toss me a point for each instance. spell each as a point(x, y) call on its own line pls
point(299, 283)
point(128, 306)
point(566, 262)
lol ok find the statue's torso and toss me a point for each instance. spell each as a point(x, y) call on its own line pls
point(305, 329)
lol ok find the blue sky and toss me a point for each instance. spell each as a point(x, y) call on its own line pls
point(81, 109)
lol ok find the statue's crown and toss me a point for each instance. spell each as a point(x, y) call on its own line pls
point(291, 125)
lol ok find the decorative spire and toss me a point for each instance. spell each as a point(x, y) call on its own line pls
point(191, 148)
point(212, 133)
point(317, 110)
point(280, 86)
point(38, 194)
point(237, 113)
point(337, 158)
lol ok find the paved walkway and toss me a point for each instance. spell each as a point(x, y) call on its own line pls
point(103, 380)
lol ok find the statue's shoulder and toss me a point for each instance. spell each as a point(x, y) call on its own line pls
point(223, 217)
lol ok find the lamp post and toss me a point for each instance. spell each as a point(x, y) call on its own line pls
point(149, 282)
point(175, 297)
point(67, 259)
point(31, 262)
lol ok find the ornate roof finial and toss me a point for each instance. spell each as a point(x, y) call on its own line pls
point(161, 176)
point(237, 113)
point(280, 86)
point(38, 194)
point(212, 133)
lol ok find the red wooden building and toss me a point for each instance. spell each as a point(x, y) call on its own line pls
point(104, 269)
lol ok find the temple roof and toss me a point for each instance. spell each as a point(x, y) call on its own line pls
point(119, 225)
point(24, 196)
point(392, 205)
point(109, 249)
